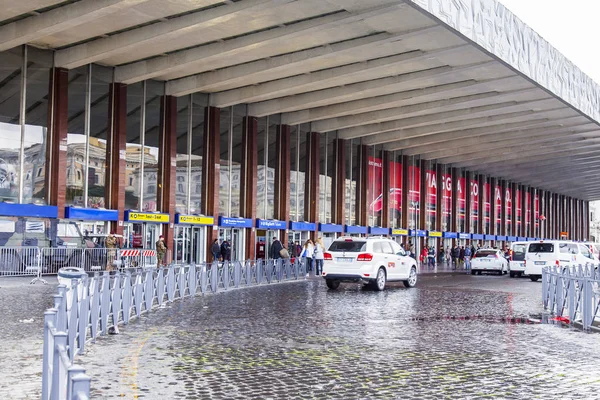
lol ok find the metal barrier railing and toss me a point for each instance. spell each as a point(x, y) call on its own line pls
point(573, 294)
point(92, 306)
point(19, 261)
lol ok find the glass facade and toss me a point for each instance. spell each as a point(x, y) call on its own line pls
point(428, 188)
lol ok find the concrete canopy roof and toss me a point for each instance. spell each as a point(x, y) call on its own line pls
point(468, 85)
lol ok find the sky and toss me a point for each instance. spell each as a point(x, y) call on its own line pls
point(572, 27)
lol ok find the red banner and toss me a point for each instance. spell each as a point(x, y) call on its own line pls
point(475, 200)
point(374, 188)
point(431, 194)
point(498, 204)
point(508, 200)
point(461, 196)
point(518, 207)
point(537, 210)
point(487, 208)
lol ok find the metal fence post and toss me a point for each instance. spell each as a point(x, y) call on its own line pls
point(587, 304)
point(127, 297)
point(60, 343)
point(80, 387)
point(48, 351)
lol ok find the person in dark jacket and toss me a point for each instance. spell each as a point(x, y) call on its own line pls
point(216, 250)
point(276, 247)
point(226, 250)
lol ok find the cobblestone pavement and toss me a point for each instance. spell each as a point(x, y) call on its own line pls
point(22, 309)
point(452, 337)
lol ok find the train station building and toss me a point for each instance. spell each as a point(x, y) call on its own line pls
point(431, 121)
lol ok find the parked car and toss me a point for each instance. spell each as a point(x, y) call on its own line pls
point(561, 253)
point(372, 261)
point(491, 260)
point(516, 259)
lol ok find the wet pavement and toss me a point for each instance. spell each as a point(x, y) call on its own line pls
point(454, 336)
point(22, 309)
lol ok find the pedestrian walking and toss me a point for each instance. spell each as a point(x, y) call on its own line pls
point(461, 257)
point(319, 256)
point(411, 250)
point(431, 257)
point(455, 256)
point(468, 259)
point(226, 250)
point(111, 244)
point(276, 248)
point(161, 251)
point(216, 250)
point(307, 255)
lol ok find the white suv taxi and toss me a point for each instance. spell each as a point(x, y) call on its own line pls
point(370, 260)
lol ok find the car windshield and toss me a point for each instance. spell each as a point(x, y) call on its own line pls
point(541, 248)
point(485, 253)
point(353, 246)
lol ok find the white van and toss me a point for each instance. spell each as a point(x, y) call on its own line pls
point(516, 260)
point(555, 253)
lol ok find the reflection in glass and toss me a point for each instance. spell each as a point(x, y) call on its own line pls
point(154, 92)
point(39, 63)
point(10, 130)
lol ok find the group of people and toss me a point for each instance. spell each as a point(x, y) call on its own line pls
point(221, 252)
point(313, 254)
point(457, 257)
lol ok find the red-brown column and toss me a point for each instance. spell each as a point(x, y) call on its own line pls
point(405, 192)
point(211, 169)
point(282, 179)
point(167, 169)
point(513, 201)
point(115, 152)
point(338, 197)
point(423, 200)
point(311, 192)
point(249, 180)
point(439, 197)
point(56, 152)
point(385, 189)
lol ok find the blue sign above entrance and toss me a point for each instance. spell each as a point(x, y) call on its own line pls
point(417, 232)
point(477, 236)
point(511, 238)
point(331, 228)
point(28, 210)
point(450, 235)
point(376, 230)
point(235, 222)
point(91, 214)
point(356, 229)
point(501, 238)
point(270, 224)
point(303, 226)
point(464, 236)
point(489, 237)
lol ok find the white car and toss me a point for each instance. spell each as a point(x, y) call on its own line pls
point(488, 260)
point(371, 260)
point(561, 253)
point(516, 261)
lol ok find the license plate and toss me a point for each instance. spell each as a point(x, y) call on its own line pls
point(344, 259)
point(540, 262)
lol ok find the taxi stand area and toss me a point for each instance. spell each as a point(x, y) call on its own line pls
point(191, 232)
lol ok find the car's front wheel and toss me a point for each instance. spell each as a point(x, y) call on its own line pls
point(412, 278)
point(534, 278)
point(512, 274)
point(332, 284)
point(379, 283)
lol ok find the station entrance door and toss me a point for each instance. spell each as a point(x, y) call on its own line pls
point(190, 244)
point(142, 235)
point(237, 240)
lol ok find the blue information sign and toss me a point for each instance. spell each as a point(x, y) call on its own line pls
point(464, 236)
point(327, 228)
point(270, 224)
point(28, 210)
point(450, 235)
point(376, 230)
point(303, 226)
point(235, 222)
point(356, 229)
point(91, 214)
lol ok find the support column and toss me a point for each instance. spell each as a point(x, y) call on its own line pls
point(423, 199)
point(385, 189)
point(405, 192)
point(482, 195)
point(211, 169)
point(454, 204)
point(467, 190)
point(115, 152)
point(311, 193)
point(439, 197)
point(55, 179)
point(492, 201)
point(503, 230)
point(167, 166)
point(586, 215)
point(282, 179)
point(249, 180)
point(362, 184)
point(338, 197)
